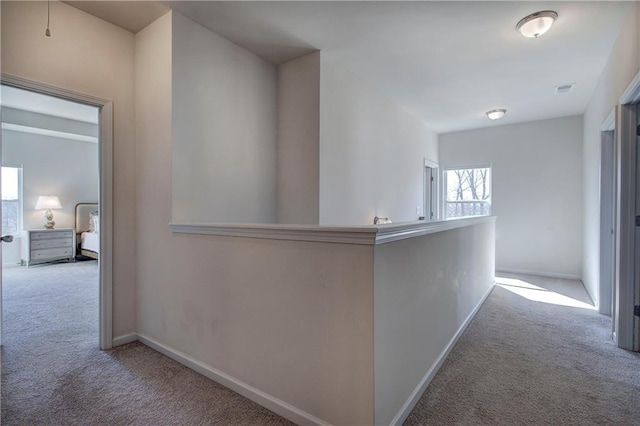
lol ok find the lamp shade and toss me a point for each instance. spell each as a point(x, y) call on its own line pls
point(48, 202)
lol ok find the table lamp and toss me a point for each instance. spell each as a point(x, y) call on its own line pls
point(48, 203)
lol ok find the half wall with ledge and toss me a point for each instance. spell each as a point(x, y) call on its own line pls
point(322, 325)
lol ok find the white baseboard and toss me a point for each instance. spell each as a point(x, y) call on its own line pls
point(274, 404)
point(540, 274)
point(413, 399)
point(595, 301)
point(280, 407)
point(123, 340)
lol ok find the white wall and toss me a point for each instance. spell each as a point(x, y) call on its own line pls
point(87, 55)
point(371, 153)
point(253, 145)
point(299, 140)
point(537, 190)
point(622, 66)
point(292, 319)
point(49, 122)
point(52, 166)
point(224, 129)
point(425, 289)
point(155, 244)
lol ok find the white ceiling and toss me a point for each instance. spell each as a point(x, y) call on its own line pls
point(48, 105)
point(445, 62)
point(130, 15)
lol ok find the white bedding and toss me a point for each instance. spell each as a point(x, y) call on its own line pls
point(90, 241)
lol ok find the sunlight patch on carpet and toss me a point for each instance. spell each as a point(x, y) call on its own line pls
point(539, 294)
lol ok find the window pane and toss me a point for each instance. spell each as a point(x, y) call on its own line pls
point(10, 200)
point(10, 188)
point(468, 192)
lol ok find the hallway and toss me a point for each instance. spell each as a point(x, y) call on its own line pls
point(536, 353)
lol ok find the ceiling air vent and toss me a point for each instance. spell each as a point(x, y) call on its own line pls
point(566, 88)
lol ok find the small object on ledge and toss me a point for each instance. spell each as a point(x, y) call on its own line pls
point(421, 218)
point(381, 220)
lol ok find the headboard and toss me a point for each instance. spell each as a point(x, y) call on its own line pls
point(83, 211)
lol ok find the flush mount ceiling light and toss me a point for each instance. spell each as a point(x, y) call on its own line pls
point(536, 24)
point(496, 114)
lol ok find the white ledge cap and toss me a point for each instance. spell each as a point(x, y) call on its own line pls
point(363, 235)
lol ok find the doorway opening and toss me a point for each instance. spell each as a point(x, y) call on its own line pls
point(62, 142)
point(626, 257)
point(49, 165)
point(431, 179)
point(607, 218)
point(636, 298)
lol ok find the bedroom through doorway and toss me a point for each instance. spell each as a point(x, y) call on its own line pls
point(51, 208)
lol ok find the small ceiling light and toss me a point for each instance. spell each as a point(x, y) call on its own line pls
point(496, 114)
point(536, 24)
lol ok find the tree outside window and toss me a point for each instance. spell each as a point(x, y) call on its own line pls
point(468, 192)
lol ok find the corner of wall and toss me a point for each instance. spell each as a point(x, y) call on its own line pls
point(298, 140)
point(225, 168)
point(152, 147)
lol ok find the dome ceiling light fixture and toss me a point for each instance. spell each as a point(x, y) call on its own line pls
point(536, 24)
point(496, 114)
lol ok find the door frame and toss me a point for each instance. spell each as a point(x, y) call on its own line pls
point(607, 215)
point(430, 190)
point(105, 166)
point(627, 326)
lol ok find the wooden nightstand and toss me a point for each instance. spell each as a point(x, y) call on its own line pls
point(47, 245)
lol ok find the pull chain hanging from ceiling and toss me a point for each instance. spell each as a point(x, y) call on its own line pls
point(48, 31)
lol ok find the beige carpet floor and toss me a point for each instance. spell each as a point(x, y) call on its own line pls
point(54, 374)
point(522, 361)
point(535, 354)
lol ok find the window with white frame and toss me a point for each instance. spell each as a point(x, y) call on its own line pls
point(467, 191)
point(11, 203)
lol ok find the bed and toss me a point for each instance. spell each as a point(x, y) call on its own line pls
point(88, 230)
